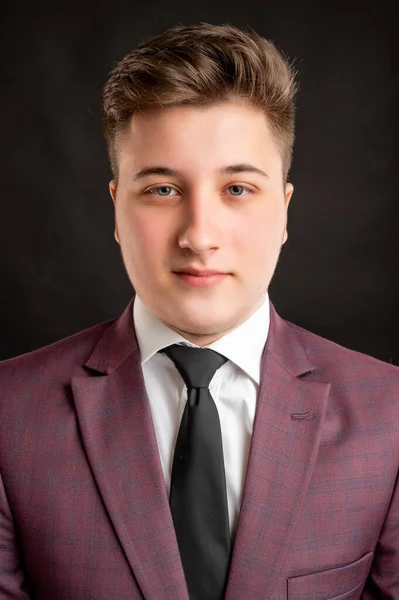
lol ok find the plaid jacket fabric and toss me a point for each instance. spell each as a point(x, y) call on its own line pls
point(84, 514)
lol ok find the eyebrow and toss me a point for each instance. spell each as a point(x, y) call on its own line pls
point(228, 170)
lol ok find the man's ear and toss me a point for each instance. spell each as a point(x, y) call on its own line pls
point(289, 189)
point(112, 191)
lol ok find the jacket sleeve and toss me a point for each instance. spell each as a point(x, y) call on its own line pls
point(383, 580)
point(13, 585)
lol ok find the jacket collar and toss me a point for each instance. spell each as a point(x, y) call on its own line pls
point(119, 342)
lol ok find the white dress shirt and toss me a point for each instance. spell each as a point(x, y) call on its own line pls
point(234, 389)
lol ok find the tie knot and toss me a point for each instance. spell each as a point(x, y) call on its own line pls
point(197, 366)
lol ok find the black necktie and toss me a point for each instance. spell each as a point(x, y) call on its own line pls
point(198, 496)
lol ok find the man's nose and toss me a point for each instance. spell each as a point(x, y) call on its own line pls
point(201, 227)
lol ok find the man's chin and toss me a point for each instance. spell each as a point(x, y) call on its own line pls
point(205, 326)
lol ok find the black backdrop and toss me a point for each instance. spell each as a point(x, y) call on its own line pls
point(60, 266)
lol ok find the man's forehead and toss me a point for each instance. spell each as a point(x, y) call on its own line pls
point(183, 147)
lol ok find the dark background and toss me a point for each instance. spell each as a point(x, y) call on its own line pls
point(60, 266)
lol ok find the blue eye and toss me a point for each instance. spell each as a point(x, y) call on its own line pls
point(237, 187)
point(163, 188)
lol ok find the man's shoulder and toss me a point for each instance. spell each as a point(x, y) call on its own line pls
point(36, 387)
point(63, 354)
point(326, 354)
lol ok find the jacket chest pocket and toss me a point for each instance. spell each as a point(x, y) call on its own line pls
point(340, 583)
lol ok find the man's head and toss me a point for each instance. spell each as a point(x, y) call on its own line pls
point(199, 123)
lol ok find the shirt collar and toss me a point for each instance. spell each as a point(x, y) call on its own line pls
point(243, 345)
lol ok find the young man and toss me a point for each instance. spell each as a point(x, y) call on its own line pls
point(199, 446)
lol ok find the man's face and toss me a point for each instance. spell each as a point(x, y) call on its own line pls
point(200, 211)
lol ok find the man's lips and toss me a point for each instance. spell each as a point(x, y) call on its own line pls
point(203, 278)
point(200, 272)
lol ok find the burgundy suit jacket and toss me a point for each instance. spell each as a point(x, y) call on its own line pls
point(84, 513)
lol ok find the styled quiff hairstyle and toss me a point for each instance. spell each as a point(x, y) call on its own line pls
point(202, 66)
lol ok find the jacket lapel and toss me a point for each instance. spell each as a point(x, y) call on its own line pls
point(289, 416)
point(117, 431)
point(118, 435)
